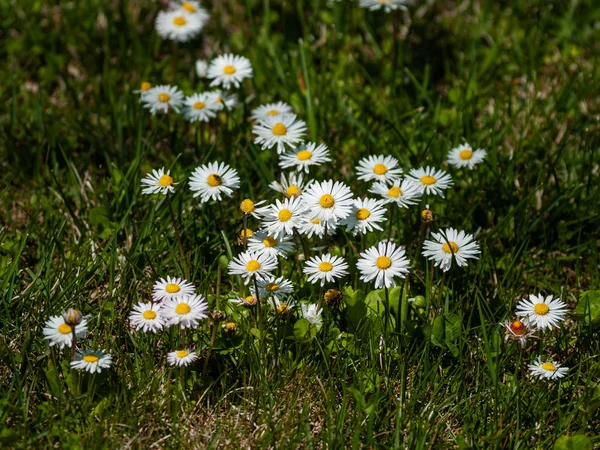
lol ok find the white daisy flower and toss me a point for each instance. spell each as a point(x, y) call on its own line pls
point(304, 156)
point(92, 361)
point(264, 242)
point(255, 209)
point(282, 307)
point(404, 193)
point(545, 313)
point(162, 98)
point(430, 181)
point(227, 70)
point(518, 330)
point(200, 107)
point(312, 313)
point(164, 289)
point(365, 216)
point(328, 200)
point(190, 7)
point(247, 302)
point(547, 369)
point(158, 182)
point(465, 156)
point(325, 268)
point(281, 130)
point(144, 87)
point(275, 287)
point(185, 310)
point(284, 216)
point(147, 317)
point(291, 186)
point(60, 333)
point(179, 25)
point(222, 100)
point(250, 264)
point(448, 243)
point(213, 179)
point(382, 264)
point(271, 109)
point(386, 5)
point(181, 358)
point(201, 68)
point(316, 227)
point(378, 168)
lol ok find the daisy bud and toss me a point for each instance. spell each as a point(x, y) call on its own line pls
point(230, 328)
point(245, 235)
point(217, 316)
point(333, 297)
point(427, 215)
point(72, 317)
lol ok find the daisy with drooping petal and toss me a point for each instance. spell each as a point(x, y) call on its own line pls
point(465, 156)
point(250, 264)
point(165, 289)
point(271, 110)
point(162, 98)
point(378, 168)
point(404, 193)
point(430, 181)
point(450, 243)
point(545, 313)
point(265, 242)
point(304, 156)
point(365, 216)
point(185, 310)
point(199, 107)
point(328, 200)
point(227, 70)
point(275, 287)
point(312, 313)
point(222, 100)
point(247, 302)
point(325, 268)
point(181, 358)
point(92, 361)
point(179, 25)
point(201, 68)
point(255, 209)
point(291, 186)
point(518, 330)
point(213, 179)
point(58, 332)
point(382, 264)
point(387, 5)
point(147, 317)
point(279, 131)
point(158, 182)
point(284, 216)
point(547, 369)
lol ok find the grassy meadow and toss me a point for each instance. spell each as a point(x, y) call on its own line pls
point(519, 79)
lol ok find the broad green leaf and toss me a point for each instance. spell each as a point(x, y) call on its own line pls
point(576, 442)
point(588, 307)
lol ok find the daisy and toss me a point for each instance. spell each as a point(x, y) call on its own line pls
point(245, 235)
point(282, 307)
point(249, 207)
point(387, 5)
point(213, 179)
point(365, 216)
point(92, 361)
point(275, 287)
point(199, 107)
point(291, 186)
point(404, 193)
point(549, 369)
point(57, 331)
point(325, 268)
point(227, 70)
point(179, 25)
point(316, 227)
point(164, 289)
point(162, 98)
point(147, 317)
point(465, 156)
point(247, 302)
point(284, 216)
point(185, 310)
point(279, 131)
point(542, 312)
point(312, 313)
point(448, 243)
point(201, 68)
point(222, 100)
point(144, 87)
point(265, 242)
point(382, 264)
point(158, 182)
point(328, 200)
point(230, 328)
point(181, 358)
point(378, 168)
point(250, 264)
point(271, 109)
point(190, 7)
point(518, 330)
point(304, 156)
point(430, 181)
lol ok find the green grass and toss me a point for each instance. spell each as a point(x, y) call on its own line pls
point(516, 78)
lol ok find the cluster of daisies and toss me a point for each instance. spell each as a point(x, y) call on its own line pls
point(534, 315)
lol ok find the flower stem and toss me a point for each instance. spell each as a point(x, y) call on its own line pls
point(178, 237)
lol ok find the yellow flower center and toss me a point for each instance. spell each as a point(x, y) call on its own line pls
point(253, 265)
point(383, 262)
point(327, 201)
point(450, 247)
point(165, 180)
point(272, 112)
point(279, 129)
point(394, 192)
point(284, 215)
point(145, 86)
point(179, 21)
point(272, 287)
point(149, 314)
point(541, 309)
point(270, 241)
point(282, 308)
point(518, 328)
point(303, 155)
point(63, 328)
point(247, 206)
point(380, 169)
point(362, 213)
point(251, 300)
point(188, 7)
point(325, 266)
point(466, 154)
point(182, 308)
point(199, 105)
point(316, 221)
point(384, 1)
point(172, 288)
point(164, 97)
point(230, 326)
point(427, 180)
point(228, 70)
point(214, 180)
point(247, 233)
point(90, 358)
point(182, 353)
point(549, 367)
point(293, 191)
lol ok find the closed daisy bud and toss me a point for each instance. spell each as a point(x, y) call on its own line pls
point(333, 297)
point(72, 317)
point(230, 328)
point(427, 215)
